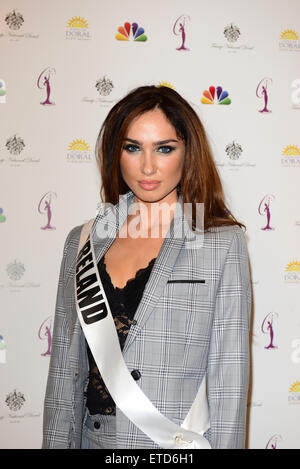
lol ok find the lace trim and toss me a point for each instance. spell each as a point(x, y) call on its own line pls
point(126, 298)
point(138, 273)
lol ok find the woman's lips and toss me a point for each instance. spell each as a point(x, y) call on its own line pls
point(149, 185)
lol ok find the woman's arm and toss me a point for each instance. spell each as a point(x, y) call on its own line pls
point(58, 399)
point(228, 361)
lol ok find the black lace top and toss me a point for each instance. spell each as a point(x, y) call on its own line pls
point(123, 304)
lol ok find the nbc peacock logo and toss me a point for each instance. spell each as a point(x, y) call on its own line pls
point(294, 393)
point(79, 152)
point(77, 28)
point(129, 32)
point(2, 92)
point(289, 40)
point(290, 156)
point(292, 272)
point(215, 95)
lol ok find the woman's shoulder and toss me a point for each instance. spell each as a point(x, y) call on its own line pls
point(226, 236)
point(72, 239)
point(71, 248)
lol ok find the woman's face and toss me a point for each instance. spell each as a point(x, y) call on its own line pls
point(152, 158)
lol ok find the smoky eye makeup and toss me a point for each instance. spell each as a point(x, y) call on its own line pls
point(130, 147)
point(164, 149)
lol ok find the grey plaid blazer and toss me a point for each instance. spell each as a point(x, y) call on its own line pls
point(193, 319)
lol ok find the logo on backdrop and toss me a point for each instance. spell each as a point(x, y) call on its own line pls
point(14, 20)
point(2, 217)
point(235, 160)
point(79, 152)
point(294, 393)
point(15, 145)
point(292, 274)
point(215, 95)
point(291, 156)
point(2, 350)
point(289, 40)
point(45, 335)
point(262, 92)
point(104, 86)
point(165, 83)
point(2, 91)
point(267, 327)
point(43, 83)
point(232, 35)
point(179, 30)
point(264, 210)
point(296, 94)
point(77, 28)
point(234, 150)
point(44, 208)
point(137, 33)
point(274, 442)
point(15, 400)
point(15, 270)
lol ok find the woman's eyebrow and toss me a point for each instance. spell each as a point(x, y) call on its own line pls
point(161, 142)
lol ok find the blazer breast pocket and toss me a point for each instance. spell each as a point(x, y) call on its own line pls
point(187, 287)
point(185, 281)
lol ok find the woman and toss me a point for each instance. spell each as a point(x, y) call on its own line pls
point(181, 307)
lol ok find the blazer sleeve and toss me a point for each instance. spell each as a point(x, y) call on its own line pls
point(57, 416)
point(228, 360)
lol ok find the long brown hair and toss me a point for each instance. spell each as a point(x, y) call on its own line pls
point(200, 181)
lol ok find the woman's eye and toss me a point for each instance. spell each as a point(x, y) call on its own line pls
point(166, 149)
point(131, 148)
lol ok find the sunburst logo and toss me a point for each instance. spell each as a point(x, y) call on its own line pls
point(289, 40)
point(295, 387)
point(291, 150)
point(294, 393)
point(291, 154)
point(290, 35)
point(292, 274)
point(77, 22)
point(215, 94)
point(164, 83)
point(293, 267)
point(128, 31)
point(79, 151)
point(77, 28)
point(79, 145)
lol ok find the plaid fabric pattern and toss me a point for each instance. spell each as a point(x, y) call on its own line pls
point(193, 319)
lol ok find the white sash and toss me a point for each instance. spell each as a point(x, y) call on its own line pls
point(99, 328)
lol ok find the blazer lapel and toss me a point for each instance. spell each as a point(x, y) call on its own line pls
point(161, 271)
point(104, 230)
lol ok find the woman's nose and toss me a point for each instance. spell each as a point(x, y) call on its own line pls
point(148, 164)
